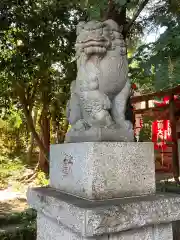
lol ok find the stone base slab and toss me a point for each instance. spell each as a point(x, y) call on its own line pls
point(104, 170)
point(49, 230)
point(100, 135)
point(95, 218)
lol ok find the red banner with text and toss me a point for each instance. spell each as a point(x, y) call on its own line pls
point(161, 133)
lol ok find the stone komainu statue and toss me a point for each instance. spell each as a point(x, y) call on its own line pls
point(96, 109)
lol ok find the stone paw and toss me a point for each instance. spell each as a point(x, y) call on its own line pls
point(106, 103)
point(80, 125)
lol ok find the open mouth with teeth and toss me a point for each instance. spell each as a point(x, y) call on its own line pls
point(92, 46)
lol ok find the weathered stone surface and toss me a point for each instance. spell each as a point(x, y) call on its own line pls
point(100, 92)
point(100, 135)
point(94, 218)
point(103, 170)
point(51, 230)
point(156, 232)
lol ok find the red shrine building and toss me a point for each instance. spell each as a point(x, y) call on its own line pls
point(164, 110)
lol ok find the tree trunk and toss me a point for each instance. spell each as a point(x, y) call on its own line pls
point(55, 127)
point(31, 144)
point(27, 108)
point(64, 129)
point(119, 15)
point(33, 131)
point(18, 143)
point(116, 14)
point(45, 138)
point(45, 133)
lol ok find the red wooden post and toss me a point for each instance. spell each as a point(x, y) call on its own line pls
point(175, 157)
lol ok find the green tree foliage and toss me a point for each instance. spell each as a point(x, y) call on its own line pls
point(153, 66)
point(35, 35)
point(125, 12)
point(12, 132)
point(146, 131)
point(37, 57)
point(160, 61)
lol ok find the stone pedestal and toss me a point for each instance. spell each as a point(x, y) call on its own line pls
point(103, 170)
point(51, 230)
point(103, 191)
